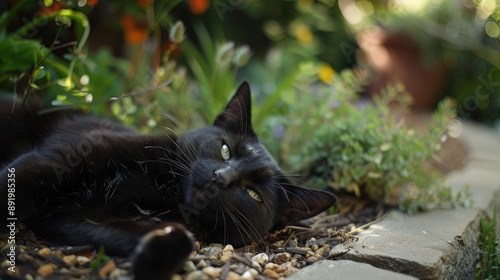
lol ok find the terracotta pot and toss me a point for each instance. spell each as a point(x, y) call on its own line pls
point(396, 57)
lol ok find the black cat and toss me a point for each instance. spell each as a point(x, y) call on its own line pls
point(83, 180)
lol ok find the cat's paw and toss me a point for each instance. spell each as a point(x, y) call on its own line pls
point(161, 252)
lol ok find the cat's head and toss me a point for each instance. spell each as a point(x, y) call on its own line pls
point(234, 190)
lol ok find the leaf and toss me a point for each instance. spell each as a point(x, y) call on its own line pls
point(19, 55)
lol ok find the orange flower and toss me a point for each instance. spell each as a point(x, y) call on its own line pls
point(56, 6)
point(92, 2)
point(199, 7)
point(134, 33)
point(144, 3)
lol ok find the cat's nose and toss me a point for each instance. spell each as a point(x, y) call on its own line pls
point(223, 177)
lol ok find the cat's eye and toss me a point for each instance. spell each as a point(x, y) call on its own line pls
point(225, 152)
point(253, 194)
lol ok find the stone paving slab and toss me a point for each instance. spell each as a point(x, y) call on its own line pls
point(484, 181)
point(483, 147)
point(433, 245)
point(344, 269)
point(481, 141)
point(441, 244)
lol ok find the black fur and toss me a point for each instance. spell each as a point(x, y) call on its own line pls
point(85, 180)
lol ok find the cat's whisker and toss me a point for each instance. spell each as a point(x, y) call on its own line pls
point(190, 145)
point(283, 189)
point(242, 220)
point(244, 225)
point(225, 228)
point(175, 163)
point(216, 221)
point(177, 123)
point(168, 152)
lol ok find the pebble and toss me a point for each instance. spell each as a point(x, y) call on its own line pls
point(287, 269)
point(197, 275)
point(213, 272)
point(323, 251)
point(70, 260)
point(271, 266)
point(313, 259)
point(278, 243)
point(262, 259)
point(257, 266)
point(197, 246)
point(82, 260)
point(271, 274)
point(247, 275)
point(46, 270)
point(189, 266)
point(213, 250)
point(232, 276)
point(107, 268)
point(315, 247)
point(253, 272)
point(337, 251)
point(58, 253)
point(282, 258)
point(201, 265)
point(117, 273)
point(44, 252)
point(241, 269)
point(228, 247)
point(226, 253)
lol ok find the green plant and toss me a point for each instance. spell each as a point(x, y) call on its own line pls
point(489, 250)
point(100, 259)
point(370, 152)
point(214, 66)
point(308, 116)
point(29, 66)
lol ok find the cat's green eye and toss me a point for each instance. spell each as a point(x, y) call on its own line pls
point(225, 152)
point(253, 194)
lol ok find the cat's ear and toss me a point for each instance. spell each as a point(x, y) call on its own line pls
point(299, 203)
point(237, 115)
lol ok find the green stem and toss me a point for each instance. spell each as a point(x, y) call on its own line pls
point(73, 15)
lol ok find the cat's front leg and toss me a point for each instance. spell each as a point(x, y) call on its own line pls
point(156, 250)
point(162, 252)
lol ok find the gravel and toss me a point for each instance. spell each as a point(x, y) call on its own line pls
point(281, 254)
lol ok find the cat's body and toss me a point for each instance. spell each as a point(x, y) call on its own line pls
point(84, 180)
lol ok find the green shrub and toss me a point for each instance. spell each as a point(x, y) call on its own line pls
point(366, 149)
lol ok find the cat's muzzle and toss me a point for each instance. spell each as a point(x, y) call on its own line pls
point(224, 177)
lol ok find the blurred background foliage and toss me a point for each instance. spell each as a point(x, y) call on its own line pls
point(311, 64)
